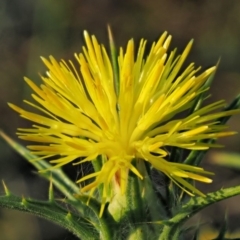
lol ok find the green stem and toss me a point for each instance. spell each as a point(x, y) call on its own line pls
point(135, 209)
point(106, 224)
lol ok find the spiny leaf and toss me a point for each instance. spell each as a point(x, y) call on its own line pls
point(59, 178)
point(53, 212)
point(56, 176)
point(195, 204)
point(235, 104)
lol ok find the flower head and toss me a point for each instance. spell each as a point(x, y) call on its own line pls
point(83, 116)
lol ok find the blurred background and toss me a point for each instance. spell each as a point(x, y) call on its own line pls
point(29, 29)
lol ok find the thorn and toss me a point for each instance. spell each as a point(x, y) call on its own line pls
point(69, 216)
point(156, 222)
point(101, 209)
point(24, 201)
point(3, 135)
point(218, 62)
point(110, 36)
point(7, 192)
point(50, 192)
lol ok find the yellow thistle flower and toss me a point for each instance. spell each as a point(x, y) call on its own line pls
point(83, 116)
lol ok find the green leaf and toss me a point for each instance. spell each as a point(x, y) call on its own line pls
point(184, 212)
point(235, 104)
point(223, 230)
point(57, 176)
point(51, 211)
